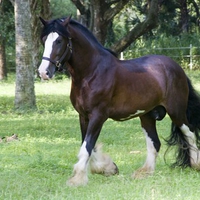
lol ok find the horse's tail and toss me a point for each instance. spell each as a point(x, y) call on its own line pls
point(177, 138)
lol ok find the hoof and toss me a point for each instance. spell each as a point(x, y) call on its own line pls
point(107, 170)
point(195, 166)
point(111, 171)
point(101, 163)
point(142, 173)
point(78, 179)
point(114, 171)
point(195, 159)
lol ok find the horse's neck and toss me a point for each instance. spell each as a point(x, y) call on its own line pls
point(86, 55)
point(83, 61)
point(79, 69)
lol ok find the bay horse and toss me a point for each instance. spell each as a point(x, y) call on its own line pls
point(105, 87)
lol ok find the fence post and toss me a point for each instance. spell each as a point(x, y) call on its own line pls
point(190, 56)
point(121, 56)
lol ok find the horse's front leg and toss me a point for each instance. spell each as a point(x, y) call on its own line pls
point(80, 168)
point(83, 125)
point(94, 126)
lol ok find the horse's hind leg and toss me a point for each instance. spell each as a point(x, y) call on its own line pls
point(184, 113)
point(153, 145)
point(193, 149)
point(184, 137)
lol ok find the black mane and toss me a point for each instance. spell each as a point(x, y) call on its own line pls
point(56, 26)
point(89, 35)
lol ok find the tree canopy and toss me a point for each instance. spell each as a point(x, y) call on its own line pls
point(116, 23)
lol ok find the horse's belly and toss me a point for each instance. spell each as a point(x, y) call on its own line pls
point(123, 117)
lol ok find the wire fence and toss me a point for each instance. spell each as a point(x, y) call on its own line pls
point(187, 57)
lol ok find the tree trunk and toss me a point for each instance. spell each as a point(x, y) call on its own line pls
point(3, 74)
point(99, 26)
point(98, 15)
point(101, 14)
point(24, 91)
point(38, 8)
point(196, 7)
point(184, 17)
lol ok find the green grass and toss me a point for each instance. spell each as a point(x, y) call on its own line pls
point(39, 164)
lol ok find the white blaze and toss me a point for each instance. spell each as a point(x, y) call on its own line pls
point(47, 51)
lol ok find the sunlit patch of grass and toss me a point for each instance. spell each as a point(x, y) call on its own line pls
point(39, 164)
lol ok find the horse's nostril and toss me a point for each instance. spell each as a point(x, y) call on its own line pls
point(49, 74)
point(44, 75)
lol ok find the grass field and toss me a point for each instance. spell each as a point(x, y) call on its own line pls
point(39, 164)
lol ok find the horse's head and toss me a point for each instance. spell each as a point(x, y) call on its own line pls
point(57, 47)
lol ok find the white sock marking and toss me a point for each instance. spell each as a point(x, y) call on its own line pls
point(80, 168)
point(190, 137)
point(83, 157)
point(151, 153)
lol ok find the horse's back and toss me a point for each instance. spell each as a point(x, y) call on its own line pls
point(154, 63)
point(158, 68)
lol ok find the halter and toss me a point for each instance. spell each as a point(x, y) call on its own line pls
point(61, 61)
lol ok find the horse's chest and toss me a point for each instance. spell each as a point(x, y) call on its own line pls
point(90, 95)
point(81, 100)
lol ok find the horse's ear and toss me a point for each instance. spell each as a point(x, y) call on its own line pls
point(44, 22)
point(67, 20)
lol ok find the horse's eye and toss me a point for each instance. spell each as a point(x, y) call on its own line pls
point(58, 41)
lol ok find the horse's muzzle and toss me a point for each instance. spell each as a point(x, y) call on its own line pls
point(44, 75)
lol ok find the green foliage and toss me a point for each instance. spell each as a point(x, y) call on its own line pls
point(38, 165)
point(7, 33)
point(166, 35)
point(62, 8)
point(176, 47)
point(7, 21)
point(169, 21)
point(169, 18)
